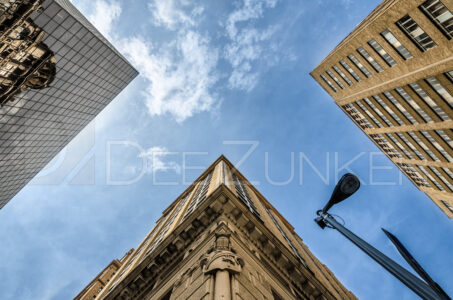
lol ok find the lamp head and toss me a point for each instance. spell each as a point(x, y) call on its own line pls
point(346, 186)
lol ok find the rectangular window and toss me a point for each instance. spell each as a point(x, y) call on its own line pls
point(401, 108)
point(243, 195)
point(379, 50)
point(345, 78)
point(388, 109)
point(447, 170)
point(449, 75)
point(290, 243)
point(440, 15)
point(378, 111)
point(370, 59)
point(329, 83)
point(445, 137)
point(439, 148)
point(357, 116)
point(447, 205)
point(414, 175)
point(414, 104)
point(350, 70)
point(444, 180)
point(392, 40)
point(423, 146)
point(429, 101)
point(416, 33)
point(200, 195)
point(430, 177)
point(440, 90)
point(359, 65)
point(402, 148)
point(376, 121)
point(385, 146)
point(411, 146)
point(331, 75)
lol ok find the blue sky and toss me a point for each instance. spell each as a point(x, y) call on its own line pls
point(217, 77)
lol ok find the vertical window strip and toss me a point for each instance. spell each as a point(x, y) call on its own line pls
point(401, 108)
point(417, 35)
point(448, 171)
point(429, 101)
point(376, 121)
point(378, 111)
point(414, 104)
point(440, 90)
point(423, 145)
point(382, 53)
point(359, 65)
point(402, 148)
point(168, 224)
point(290, 243)
point(441, 177)
point(388, 109)
point(395, 43)
point(449, 75)
point(430, 177)
point(442, 151)
point(329, 83)
point(200, 195)
point(370, 59)
point(342, 75)
point(445, 137)
point(331, 75)
point(360, 116)
point(387, 147)
point(411, 146)
point(356, 116)
point(440, 15)
point(350, 70)
point(447, 205)
point(414, 175)
point(244, 196)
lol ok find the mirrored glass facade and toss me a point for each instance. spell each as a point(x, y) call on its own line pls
point(57, 72)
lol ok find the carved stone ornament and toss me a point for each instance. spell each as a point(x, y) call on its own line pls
point(221, 260)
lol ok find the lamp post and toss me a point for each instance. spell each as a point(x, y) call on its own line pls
point(346, 186)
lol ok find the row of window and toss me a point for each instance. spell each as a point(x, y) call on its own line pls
point(364, 124)
point(290, 243)
point(243, 196)
point(396, 113)
point(435, 10)
point(447, 205)
point(200, 195)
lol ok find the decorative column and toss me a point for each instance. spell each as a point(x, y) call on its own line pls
point(221, 262)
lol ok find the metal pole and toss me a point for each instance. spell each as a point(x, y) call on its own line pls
point(411, 281)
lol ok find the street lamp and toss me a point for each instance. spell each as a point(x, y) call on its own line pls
point(346, 186)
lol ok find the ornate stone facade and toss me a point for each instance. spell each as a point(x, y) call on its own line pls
point(222, 240)
point(393, 76)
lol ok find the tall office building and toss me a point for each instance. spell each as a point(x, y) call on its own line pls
point(220, 239)
point(57, 72)
point(393, 76)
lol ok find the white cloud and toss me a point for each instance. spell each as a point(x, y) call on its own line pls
point(247, 43)
point(157, 160)
point(170, 13)
point(179, 73)
point(105, 13)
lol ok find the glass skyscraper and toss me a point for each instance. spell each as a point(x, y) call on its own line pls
point(57, 72)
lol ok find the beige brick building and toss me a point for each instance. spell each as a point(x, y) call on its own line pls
point(393, 76)
point(220, 239)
